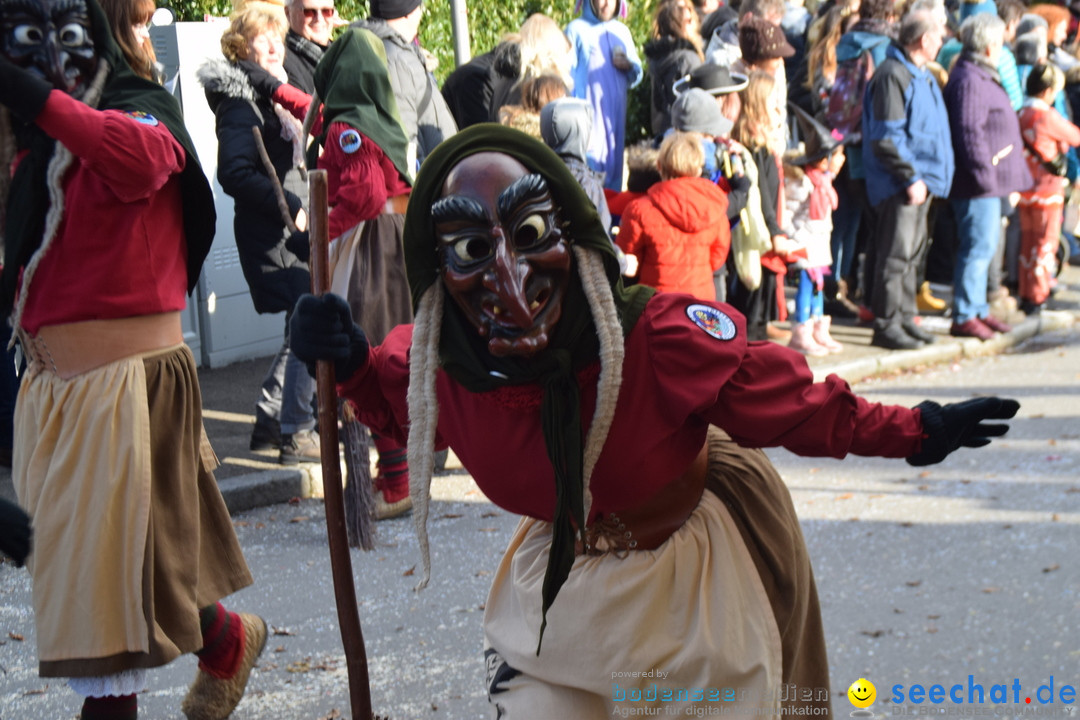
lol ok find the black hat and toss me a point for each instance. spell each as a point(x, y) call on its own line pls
point(392, 9)
point(713, 79)
point(817, 141)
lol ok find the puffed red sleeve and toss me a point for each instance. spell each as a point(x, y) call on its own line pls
point(379, 389)
point(772, 400)
point(764, 394)
point(296, 101)
point(356, 185)
point(133, 153)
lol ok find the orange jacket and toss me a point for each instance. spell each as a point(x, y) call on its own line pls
point(680, 234)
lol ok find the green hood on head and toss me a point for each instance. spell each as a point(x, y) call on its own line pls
point(354, 85)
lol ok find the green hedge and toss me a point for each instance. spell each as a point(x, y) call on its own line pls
point(489, 20)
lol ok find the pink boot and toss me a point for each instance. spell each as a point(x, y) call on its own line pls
point(802, 339)
point(822, 336)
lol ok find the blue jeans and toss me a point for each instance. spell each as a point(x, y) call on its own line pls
point(978, 224)
point(809, 301)
point(286, 392)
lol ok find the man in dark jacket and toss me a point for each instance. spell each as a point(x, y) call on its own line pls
point(989, 166)
point(908, 156)
point(310, 25)
point(427, 119)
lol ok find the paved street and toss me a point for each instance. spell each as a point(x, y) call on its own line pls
point(926, 576)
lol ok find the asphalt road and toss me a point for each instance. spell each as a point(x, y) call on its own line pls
point(926, 576)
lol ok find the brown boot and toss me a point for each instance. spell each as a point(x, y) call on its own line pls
point(212, 698)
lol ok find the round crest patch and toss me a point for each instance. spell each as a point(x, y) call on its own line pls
point(712, 321)
point(350, 141)
point(142, 117)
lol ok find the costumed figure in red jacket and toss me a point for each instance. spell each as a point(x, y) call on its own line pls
point(1047, 137)
point(616, 422)
point(107, 220)
point(365, 151)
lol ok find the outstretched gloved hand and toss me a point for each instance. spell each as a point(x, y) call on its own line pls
point(264, 83)
point(949, 427)
point(21, 91)
point(14, 532)
point(322, 329)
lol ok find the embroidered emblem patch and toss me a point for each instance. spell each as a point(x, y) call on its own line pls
point(142, 117)
point(712, 321)
point(349, 141)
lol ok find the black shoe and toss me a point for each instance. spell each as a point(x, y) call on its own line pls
point(266, 435)
point(1029, 308)
point(917, 332)
point(300, 447)
point(894, 338)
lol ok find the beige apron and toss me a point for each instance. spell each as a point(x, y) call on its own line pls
point(685, 626)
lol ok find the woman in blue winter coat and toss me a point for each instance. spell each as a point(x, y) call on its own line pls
point(606, 65)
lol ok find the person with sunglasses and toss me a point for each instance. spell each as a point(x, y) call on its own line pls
point(311, 23)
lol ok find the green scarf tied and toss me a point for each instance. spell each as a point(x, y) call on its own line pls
point(28, 200)
point(353, 84)
point(574, 344)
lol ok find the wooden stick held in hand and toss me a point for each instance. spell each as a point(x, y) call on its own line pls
point(340, 559)
point(279, 193)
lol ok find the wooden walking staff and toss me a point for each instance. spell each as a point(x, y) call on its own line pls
point(340, 560)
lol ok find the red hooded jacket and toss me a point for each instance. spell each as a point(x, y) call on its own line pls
point(680, 234)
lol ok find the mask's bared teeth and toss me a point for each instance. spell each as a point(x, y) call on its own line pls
point(534, 305)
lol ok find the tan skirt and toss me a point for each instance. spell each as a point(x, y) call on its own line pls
point(131, 535)
point(722, 615)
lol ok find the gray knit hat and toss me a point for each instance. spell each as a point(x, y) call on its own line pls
point(697, 111)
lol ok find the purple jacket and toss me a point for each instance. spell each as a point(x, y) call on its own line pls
point(985, 133)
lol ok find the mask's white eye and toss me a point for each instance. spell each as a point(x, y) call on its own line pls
point(72, 34)
point(471, 250)
point(28, 35)
point(530, 232)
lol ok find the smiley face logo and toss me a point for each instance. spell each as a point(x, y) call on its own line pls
point(862, 693)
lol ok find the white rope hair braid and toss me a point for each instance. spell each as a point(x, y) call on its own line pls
point(594, 282)
point(58, 165)
point(424, 414)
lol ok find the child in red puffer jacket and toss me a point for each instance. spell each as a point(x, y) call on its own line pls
point(679, 229)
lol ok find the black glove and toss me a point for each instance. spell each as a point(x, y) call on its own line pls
point(322, 329)
point(264, 83)
point(21, 91)
point(957, 425)
point(14, 532)
point(739, 183)
point(299, 245)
